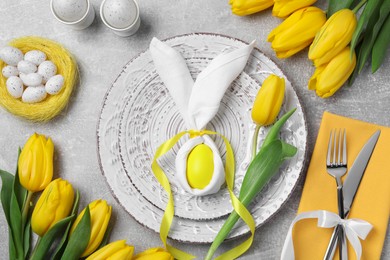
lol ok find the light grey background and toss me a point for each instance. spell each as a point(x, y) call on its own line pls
point(101, 56)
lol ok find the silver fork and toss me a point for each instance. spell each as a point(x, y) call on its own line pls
point(336, 165)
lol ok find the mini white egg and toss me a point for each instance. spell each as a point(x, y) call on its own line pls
point(35, 56)
point(119, 13)
point(14, 86)
point(11, 55)
point(9, 71)
point(70, 10)
point(27, 67)
point(31, 79)
point(34, 94)
point(47, 69)
point(54, 84)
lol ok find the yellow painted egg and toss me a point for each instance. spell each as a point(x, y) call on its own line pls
point(200, 166)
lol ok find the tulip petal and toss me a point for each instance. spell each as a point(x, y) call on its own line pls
point(283, 8)
point(333, 37)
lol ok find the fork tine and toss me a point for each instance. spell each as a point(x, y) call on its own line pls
point(329, 148)
point(345, 148)
point(334, 147)
point(339, 162)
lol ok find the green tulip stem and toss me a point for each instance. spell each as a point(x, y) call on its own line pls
point(357, 8)
point(26, 207)
point(254, 141)
point(32, 256)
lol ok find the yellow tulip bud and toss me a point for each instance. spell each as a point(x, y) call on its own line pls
point(297, 31)
point(36, 163)
point(54, 204)
point(154, 254)
point(268, 101)
point(328, 78)
point(246, 7)
point(333, 37)
point(100, 215)
point(283, 8)
point(117, 250)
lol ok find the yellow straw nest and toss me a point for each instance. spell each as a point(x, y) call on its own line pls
point(53, 104)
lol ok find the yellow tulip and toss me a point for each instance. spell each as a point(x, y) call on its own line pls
point(283, 8)
point(54, 204)
point(268, 101)
point(154, 254)
point(100, 215)
point(333, 37)
point(246, 7)
point(328, 78)
point(297, 31)
point(36, 163)
point(117, 250)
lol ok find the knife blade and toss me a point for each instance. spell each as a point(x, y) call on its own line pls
point(351, 185)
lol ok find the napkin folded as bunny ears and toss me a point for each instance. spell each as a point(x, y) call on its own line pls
point(198, 101)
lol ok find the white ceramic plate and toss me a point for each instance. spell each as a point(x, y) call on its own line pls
point(138, 115)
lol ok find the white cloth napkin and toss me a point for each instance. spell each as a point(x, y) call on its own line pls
point(198, 101)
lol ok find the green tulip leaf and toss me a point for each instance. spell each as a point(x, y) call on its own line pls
point(62, 244)
point(263, 167)
point(366, 15)
point(79, 239)
point(274, 131)
point(27, 237)
point(45, 242)
point(373, 27)
point(6, 191)
point(381, 45)
point(336, 5)
point(16, 226)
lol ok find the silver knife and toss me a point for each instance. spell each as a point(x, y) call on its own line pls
point(351, 185)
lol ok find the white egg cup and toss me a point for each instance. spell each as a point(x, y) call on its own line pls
point(127, 31)
point(80, 24)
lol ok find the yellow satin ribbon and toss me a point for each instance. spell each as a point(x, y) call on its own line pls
point(170, 210)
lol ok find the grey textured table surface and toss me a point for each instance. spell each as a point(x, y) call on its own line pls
point(101, 56)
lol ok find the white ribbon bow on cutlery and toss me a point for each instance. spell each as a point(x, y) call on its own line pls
point(198, 101)
point(354, 229)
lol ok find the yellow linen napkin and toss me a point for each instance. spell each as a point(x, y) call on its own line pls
point(372, 201)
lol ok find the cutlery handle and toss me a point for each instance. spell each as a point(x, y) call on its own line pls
point(330, 251)
point(340, 198)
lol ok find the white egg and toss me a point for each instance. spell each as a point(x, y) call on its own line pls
point(9, 71)
point(35, 56)
point(47, 69)
point(119, 13)
point(34, 94)
point(14, 86)
point(11, 55)
point(31, 79)
point(54, 84)
point(70, 10)
point(27, 67)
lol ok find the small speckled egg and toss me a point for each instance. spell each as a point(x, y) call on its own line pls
point(70, 10)
point(47, 69)
point(32, 79)
point(14, 86)
point(119, 13)
point(11, 55)
point(54, 84)
point(9, 71)
point(27, 67)
point(35, 56)
point(34, 94)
